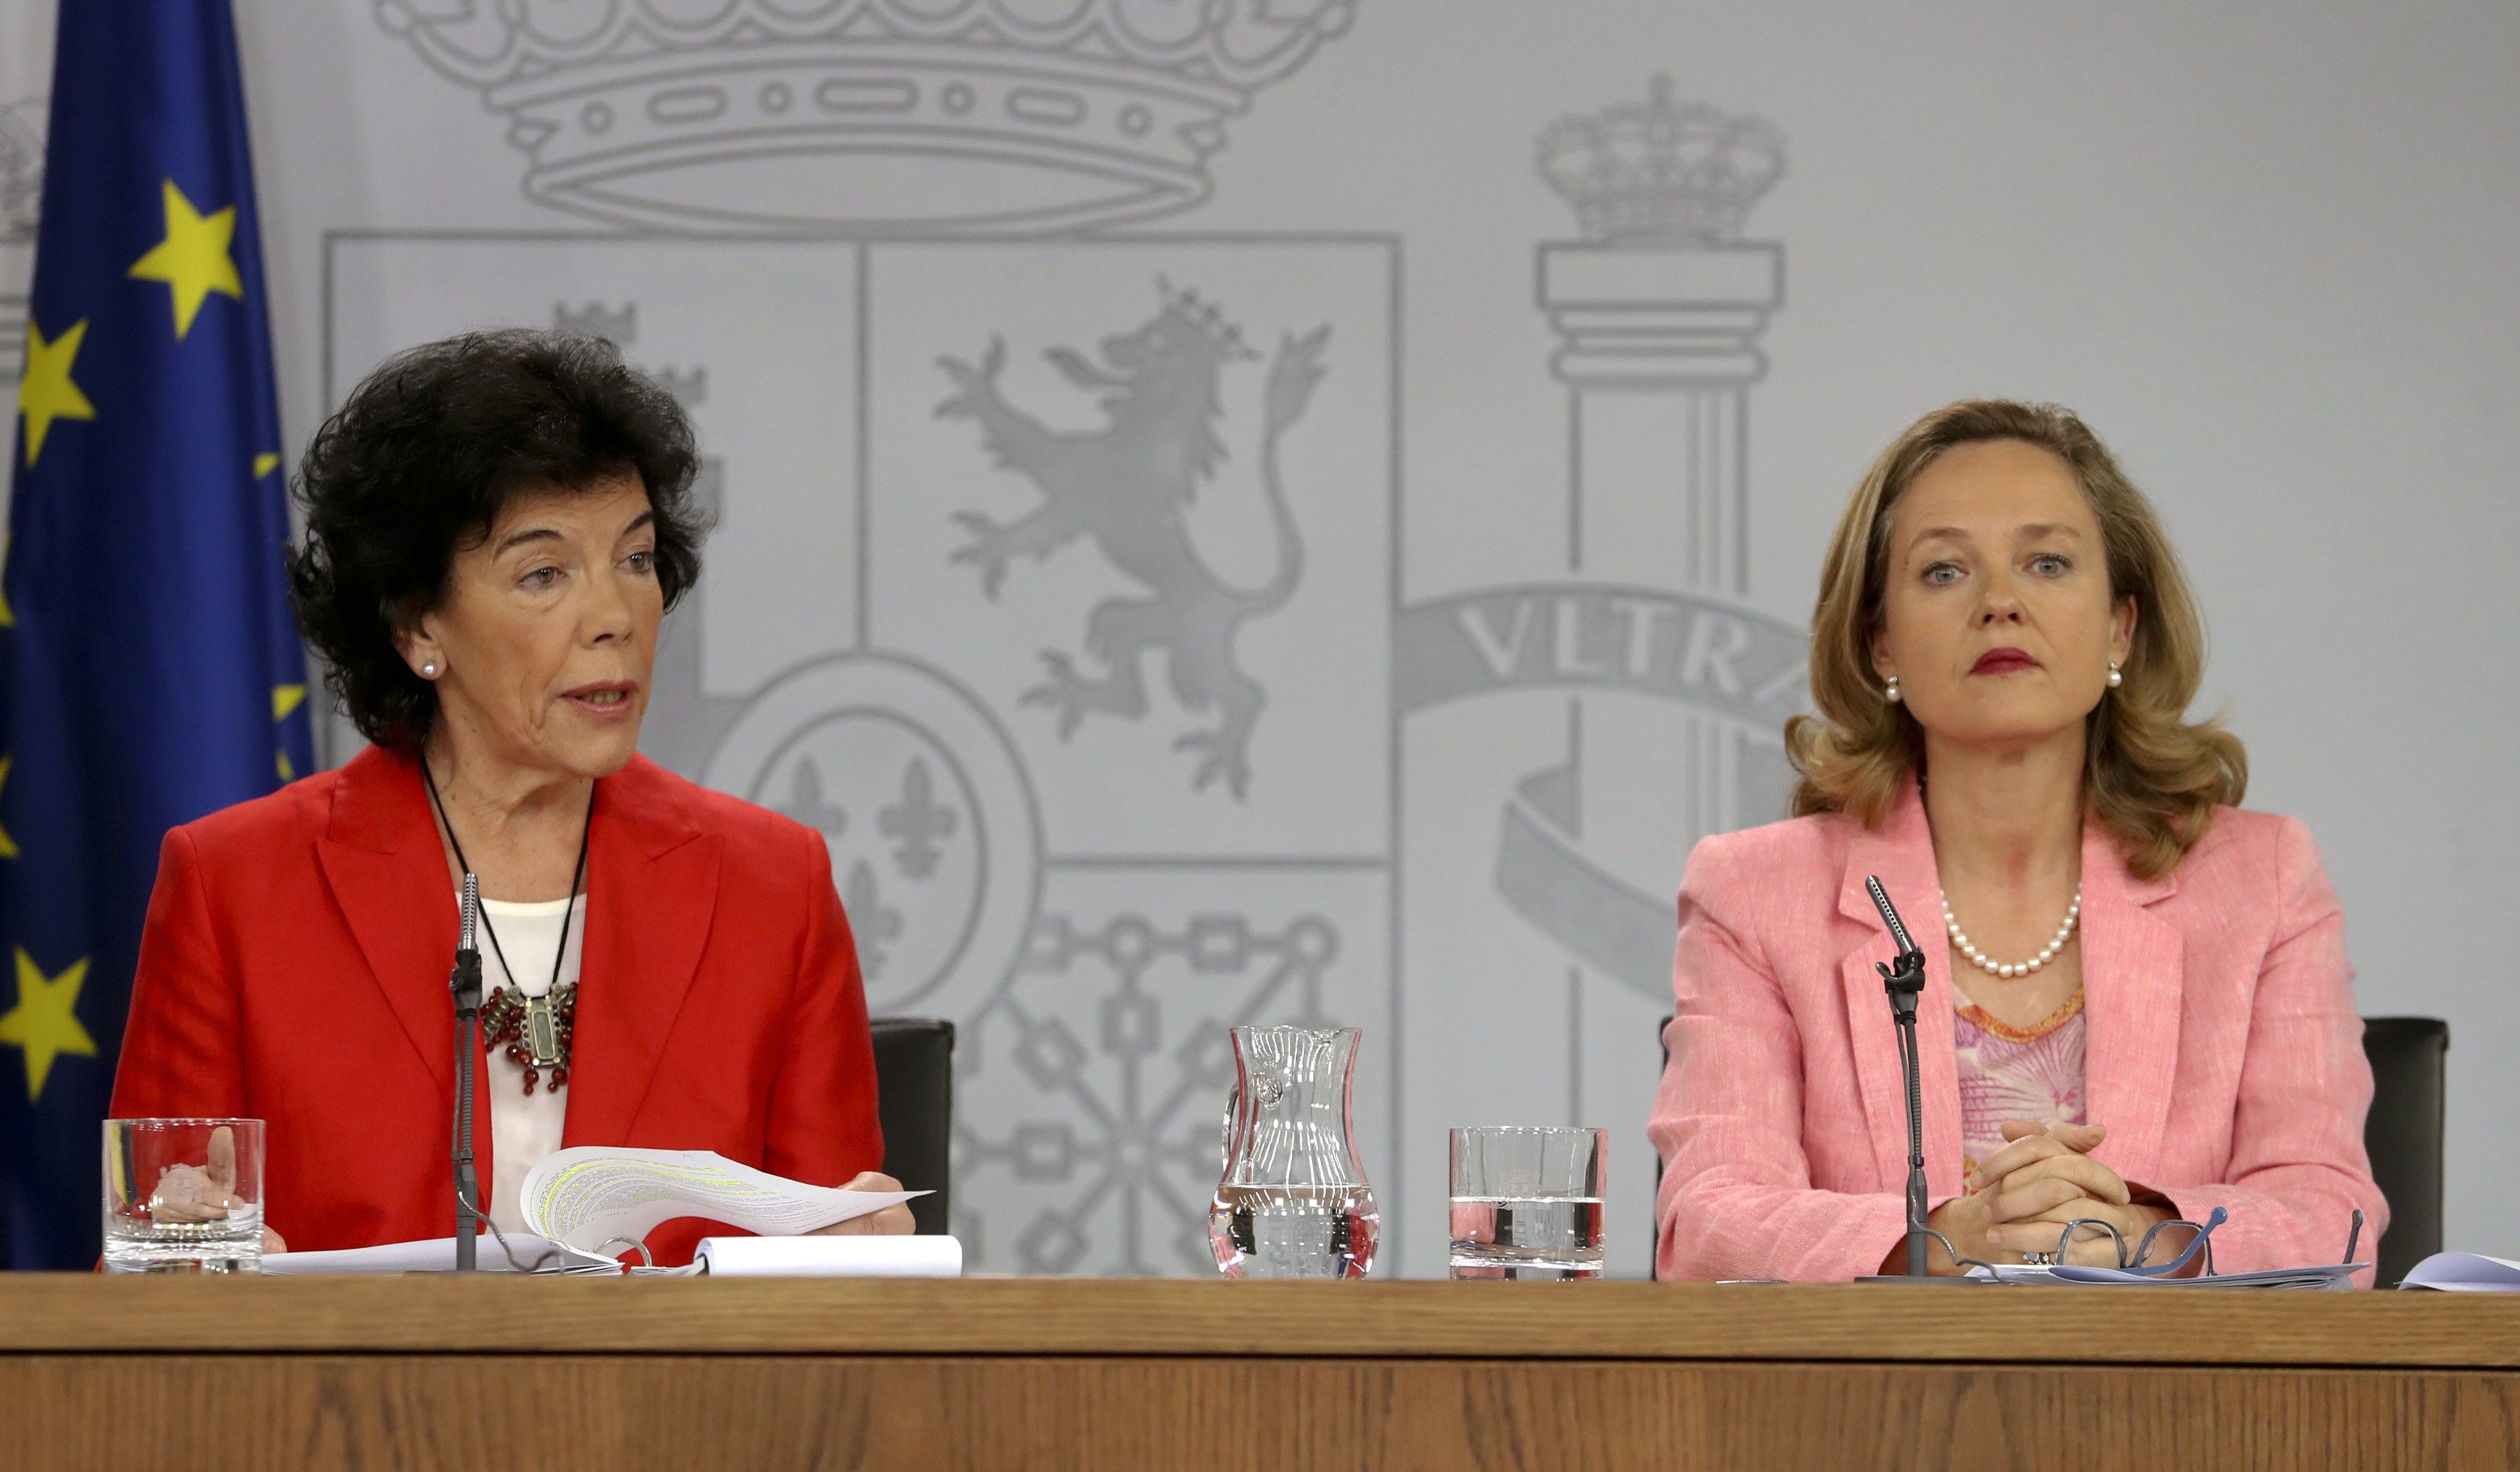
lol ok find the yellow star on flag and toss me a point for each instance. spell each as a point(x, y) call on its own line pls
point(194, 257)
point(7, 845)
point(45, 1021)
point(46, 394)
point(285, 699)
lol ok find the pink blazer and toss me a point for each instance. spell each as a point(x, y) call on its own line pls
point(2221, 1050)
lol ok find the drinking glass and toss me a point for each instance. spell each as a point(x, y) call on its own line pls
point(1527, 1201)
point(183, 1196)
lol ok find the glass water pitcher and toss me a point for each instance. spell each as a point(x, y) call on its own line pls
point(1293, 1201)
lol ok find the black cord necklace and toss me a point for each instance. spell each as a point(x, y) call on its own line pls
point(538, 1031)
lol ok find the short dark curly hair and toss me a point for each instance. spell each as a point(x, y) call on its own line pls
point(420, 461)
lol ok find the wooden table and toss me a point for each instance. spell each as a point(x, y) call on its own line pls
point(498, 1372)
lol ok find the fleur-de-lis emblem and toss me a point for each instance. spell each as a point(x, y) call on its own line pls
point(876, 924)
point(919, 821)
point(807, 805)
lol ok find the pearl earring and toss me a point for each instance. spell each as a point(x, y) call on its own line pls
point(428, 670)
point(1891, 694)
point(2115, 679)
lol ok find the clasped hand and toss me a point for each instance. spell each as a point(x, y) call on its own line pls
point(2023, 1197)
point(191, 1194)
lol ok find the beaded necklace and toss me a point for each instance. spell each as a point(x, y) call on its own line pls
point(538, 1031)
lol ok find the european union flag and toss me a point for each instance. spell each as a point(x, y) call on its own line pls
point(149, 673)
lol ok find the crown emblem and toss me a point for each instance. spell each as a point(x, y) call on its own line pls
point(1184, 308)
point(868, 118)
point(1656, 174)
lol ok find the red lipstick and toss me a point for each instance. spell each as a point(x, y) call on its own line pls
point(2004, 661)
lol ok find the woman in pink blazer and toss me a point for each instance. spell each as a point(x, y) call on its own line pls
point(2140, 1010)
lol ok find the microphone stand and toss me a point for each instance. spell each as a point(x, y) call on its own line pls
point(1905, 981)
point(465, 983)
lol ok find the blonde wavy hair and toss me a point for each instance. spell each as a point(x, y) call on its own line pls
point(2151, 777)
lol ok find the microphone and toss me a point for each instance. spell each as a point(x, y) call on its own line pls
point(1903, 979)
point(1898, 932)
point(465, 984)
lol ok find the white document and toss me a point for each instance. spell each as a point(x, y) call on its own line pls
point(523, 1254)
point(2316, 1275)
point(2319, 1275)
point(830, 1256)
point(2017, 1272)
point(2465, 1272)
point(592, 1194)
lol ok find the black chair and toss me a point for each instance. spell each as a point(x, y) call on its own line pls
point(914, 1077)
point(2402, 1134)
point(2409, 1063)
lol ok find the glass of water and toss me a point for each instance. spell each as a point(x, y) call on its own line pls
point(1527, 1201)
point(183, 1196)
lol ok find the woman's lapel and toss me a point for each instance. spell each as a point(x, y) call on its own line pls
point(381, 856)
point(2133, 975)
point(652, 884)
point(1901, 853)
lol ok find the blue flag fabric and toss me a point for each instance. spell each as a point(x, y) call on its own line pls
point(148, 672)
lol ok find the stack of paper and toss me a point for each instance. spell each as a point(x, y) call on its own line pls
point(586, 1203)
point(830, 1256)
point(2465, 1272)
point(592, 1195)
point(2322, 1275)
point(524, 1253)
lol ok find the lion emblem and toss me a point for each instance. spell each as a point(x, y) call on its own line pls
point(1125, 486)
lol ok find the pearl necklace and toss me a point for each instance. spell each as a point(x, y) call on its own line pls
point(1962, 943)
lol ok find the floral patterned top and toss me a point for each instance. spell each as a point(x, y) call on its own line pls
point(2015, 1073)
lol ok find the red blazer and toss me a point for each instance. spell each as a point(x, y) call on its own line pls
point(295, 970)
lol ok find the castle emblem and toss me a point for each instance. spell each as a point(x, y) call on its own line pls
point(863, 117)
point(21, 167)
point(21, 195)
point(1126, 486)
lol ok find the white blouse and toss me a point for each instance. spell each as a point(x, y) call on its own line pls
point(523, 1127)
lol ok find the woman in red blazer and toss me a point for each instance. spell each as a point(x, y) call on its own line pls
point(496, 526)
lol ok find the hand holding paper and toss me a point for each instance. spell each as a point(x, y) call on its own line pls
point(891, 1222)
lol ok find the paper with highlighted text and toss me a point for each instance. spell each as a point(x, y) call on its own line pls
point(589, 1196)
